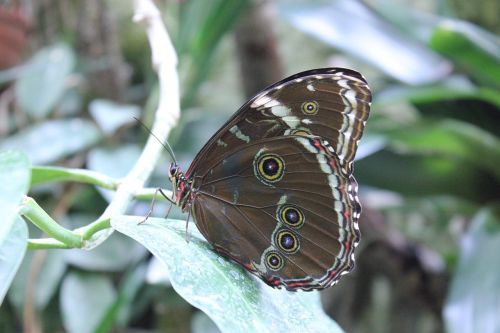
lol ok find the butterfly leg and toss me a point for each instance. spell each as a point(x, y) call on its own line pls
point(151, 207)
point(187, 223)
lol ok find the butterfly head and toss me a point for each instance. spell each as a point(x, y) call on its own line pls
point(180, 185)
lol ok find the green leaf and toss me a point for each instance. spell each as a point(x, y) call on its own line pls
point(43, 83)
point(222, 289)
point(473, 303)
point(202, 26)
point(436, 93)
point(454, 139)
point(14, 180)
point(351, 27)
point(421, 174)
point(47, 283)
point(120, 312)
point(111, 116)
point(113, 161)
point(108, 257)
point(51, 140)
point(12, 250)
point(473, 49)
point(85, 299)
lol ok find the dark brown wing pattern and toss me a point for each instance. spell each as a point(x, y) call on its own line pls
point(273, 189)
point(333, 103)
point(282, 208)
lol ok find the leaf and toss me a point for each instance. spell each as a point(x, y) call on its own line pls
point(109, 256)
point(220, 288)
point(44, 81)
point(415, 173)
point(473, 303)
point(454, 139)
point(115, 162)
point(54, 139)
point(471, 48)
point(121, 310)
point(12, 250)
point(351, 27)
point(436, 93)
point(202, 26)
point(111, 116)
point(14, 180)
point(47, 283)
point(85, 300)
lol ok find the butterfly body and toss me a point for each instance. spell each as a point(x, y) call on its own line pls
point(273, 189)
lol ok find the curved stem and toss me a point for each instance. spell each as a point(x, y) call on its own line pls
point(33, 212)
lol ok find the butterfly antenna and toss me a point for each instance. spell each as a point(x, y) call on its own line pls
point(165, 145)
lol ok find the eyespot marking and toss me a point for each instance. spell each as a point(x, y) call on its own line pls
point(310, 107)
point(269, 168)
point(273, 260)
point(287, 241)
point(291, 216)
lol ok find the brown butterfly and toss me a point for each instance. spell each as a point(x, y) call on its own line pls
point(273, 189)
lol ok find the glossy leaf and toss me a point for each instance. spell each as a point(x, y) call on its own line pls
point(437, 93)
point(423, 174)
point(54, 139)
point(47, 283)
point(220, 288)
point(110, 116)
point(202, 26)
point(85, 299)
point(12, 250)
point(473, 49)
point(114, 162)
point(351, 27)
point(473, 303)
point(120, 312)
point(44, 80)
point(14, 180)
point(454, 139)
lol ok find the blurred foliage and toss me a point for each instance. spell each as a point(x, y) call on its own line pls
point(428, 169)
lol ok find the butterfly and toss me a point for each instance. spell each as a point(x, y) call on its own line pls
point(273, 189)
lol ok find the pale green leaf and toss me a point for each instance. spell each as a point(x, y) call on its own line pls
point(222, 289)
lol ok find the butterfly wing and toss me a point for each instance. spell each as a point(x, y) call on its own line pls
point(283, 208)
point(273, 188)
point(333, 103)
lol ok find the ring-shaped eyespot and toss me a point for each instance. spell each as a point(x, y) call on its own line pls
point(310, 107)
point(291, 216)
point(287, 241)
point(274, 261)
point(269, 168)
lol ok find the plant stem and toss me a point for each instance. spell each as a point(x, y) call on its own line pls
point(33, 212)
point(45, 244)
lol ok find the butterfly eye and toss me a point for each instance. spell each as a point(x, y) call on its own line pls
point(310, 107)
point(173, 169)
point(287, 241)
point(291, 216)
point(274, 261)
point(269, 168)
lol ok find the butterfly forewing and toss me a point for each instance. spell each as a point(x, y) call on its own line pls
point(333, 103)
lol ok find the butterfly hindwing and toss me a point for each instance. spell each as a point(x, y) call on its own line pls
point(283, 208)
